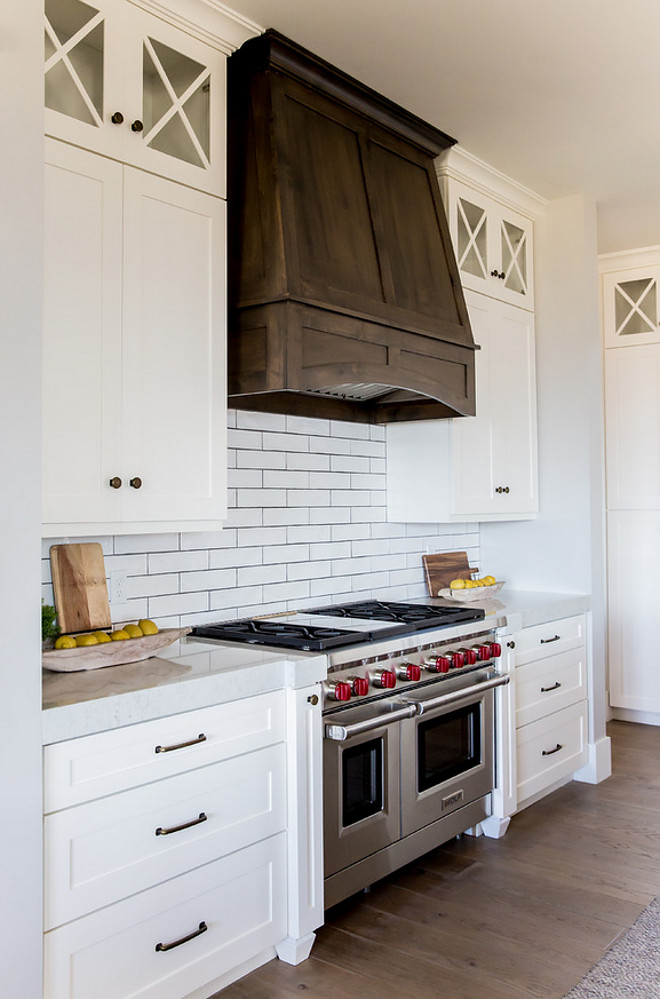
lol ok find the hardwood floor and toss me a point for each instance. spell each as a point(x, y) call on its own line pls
point(523, 916)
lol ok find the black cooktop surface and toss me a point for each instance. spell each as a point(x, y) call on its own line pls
point(346, 624)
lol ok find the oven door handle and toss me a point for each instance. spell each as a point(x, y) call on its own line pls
point(460, 695)
point(340, 733)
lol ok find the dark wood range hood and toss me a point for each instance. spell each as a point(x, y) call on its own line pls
point(344, 295)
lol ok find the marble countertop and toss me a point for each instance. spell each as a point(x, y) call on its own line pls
point(193, 674)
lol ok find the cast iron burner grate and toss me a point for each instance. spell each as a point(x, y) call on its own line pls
point(306, 638)
point(417, 616)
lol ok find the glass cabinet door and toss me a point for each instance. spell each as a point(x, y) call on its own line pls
point(513, 257)
point(630, 307)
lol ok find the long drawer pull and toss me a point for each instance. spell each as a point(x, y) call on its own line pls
point(546, 641)
point(463, 694)
point(549, 752)
point(177, 943)
point(181, 745)
point(555, 686)
point(202, 817)
point(340, 733)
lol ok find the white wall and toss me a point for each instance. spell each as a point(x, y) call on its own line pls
point(306, 527)
point(563, 550)
point(21, 83)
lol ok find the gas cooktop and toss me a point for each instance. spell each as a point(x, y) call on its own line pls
point(335, 626)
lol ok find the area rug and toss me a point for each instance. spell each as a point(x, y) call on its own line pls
point(631, 967)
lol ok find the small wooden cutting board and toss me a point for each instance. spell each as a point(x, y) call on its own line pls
point(79, 587)
point(441, 569)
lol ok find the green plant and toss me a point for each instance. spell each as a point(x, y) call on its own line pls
point(49, 625)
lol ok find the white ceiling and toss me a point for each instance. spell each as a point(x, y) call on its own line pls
point(561, 95)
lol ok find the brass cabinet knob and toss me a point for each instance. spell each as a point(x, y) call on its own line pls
point(136, 483)
point(313, 699)
point(117, 118)
point(510, 645)
point(116, 482)
point(137, 125)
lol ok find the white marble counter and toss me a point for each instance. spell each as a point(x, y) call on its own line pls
point(189, 675)
point(194, 674)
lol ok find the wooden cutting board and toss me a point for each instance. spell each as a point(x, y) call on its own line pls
point(441, 569)
point(79, 587)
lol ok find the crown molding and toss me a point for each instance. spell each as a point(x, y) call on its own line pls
point(212, 22)
point(459, 164)
point(623, 260)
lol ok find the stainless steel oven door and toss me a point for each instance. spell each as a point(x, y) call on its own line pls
point(447, 749)
point(361, 781)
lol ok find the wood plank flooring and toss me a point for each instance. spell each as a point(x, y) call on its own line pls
point(524, 916)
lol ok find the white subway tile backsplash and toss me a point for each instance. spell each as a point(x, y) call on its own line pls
point(307, 526)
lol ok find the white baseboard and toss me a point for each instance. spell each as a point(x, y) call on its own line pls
point(639, 717)
point(599, 763)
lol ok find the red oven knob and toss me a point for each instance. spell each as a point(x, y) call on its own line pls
point(495, 650)
point(483, 652)
point(338, 690)
point(384, 678)
point(359, 685)
point(470, 656)
point(408, 671)
point(458, 659)
point(438, 664)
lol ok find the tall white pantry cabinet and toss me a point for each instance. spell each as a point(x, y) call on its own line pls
point(481, 468)
point(631, 336)
point(134, 397)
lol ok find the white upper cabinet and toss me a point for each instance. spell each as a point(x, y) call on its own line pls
point(631, 306)
point(483, 467)
point(124, 83)
point(493, 246)
point(134, 352)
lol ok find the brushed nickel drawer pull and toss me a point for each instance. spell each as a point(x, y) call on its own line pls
point(546, 641)
point(555, 686)
point(549, 752)
point(202, 817)
point(177, 943)
point(181, 745)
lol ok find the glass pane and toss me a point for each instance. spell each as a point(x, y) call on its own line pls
point(514, 263)
point(63, 95)
point(635, 307)
point(180, 70)
point(66, 17)
point(174, 140)
point(448, 746)
point(155, 99)
point(362, 781)
point(74, 84)
point(198, 113)
point(471, 233)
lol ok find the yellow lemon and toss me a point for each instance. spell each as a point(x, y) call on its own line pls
point(86, 640)
point(119, 636)
point(457, 584)
point(102, 636)
point(65, 642)
point(148, 627)
point(133, 630)
point(489, 580)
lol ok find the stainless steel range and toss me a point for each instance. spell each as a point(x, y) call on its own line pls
point(409, 722)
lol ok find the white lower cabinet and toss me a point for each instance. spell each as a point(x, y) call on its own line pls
point(170, 867)
point(543, 723)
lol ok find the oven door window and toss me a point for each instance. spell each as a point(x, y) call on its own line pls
point(448, 745)
point(362, 781)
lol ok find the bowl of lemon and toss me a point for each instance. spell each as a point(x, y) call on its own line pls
point(472, 589)
point(126, 643)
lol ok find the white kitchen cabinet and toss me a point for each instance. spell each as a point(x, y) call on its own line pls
point(182, 852)
point(631, 306)
point(134, 350)
point(493, 245)
point(632, 427)
point(122, 82)
point(475, 468)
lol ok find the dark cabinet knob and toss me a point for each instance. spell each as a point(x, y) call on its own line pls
point(115, 482)
point(510, 645)
point(502, 276)
point(136, 483)
point(495, 273)
point(137, 125)
point(117, 118)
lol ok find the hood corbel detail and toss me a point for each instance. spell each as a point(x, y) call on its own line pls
point(345, 299)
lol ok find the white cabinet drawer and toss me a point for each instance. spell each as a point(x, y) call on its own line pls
point(113, 954)
point(83, 769)
point(551, 748)
point(549, 639)
point(105, 850)
point(550, 684)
